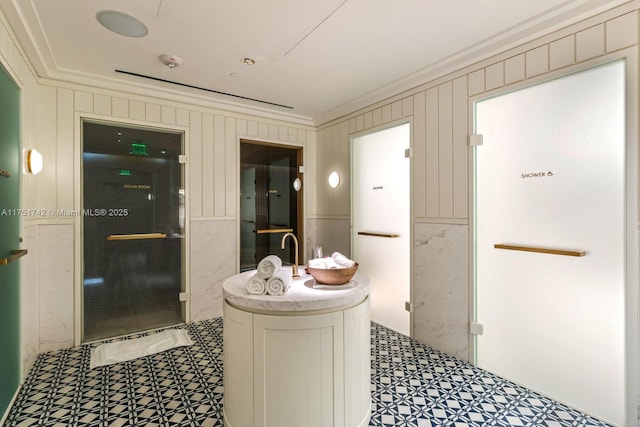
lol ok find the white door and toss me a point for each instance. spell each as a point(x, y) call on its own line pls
point(550, 175)
point(380, 202)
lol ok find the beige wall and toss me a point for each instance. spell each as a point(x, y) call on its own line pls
point(440, 113)
point(52, 113)
point(212, 171)
point(211, 143)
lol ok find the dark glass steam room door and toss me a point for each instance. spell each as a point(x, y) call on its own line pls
point(270, 202)
point(133, 230)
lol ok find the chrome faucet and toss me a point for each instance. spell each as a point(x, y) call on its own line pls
point(294, 269)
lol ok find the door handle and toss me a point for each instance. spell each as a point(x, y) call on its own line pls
point(274, 230)
point(140, 236)
point(385, 235)
point(14, 256)
point(540, 250)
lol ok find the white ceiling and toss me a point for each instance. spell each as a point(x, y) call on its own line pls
point(322, 58)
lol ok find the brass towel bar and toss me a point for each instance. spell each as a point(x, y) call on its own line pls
point(540, 250)
point(14, 256)
point(386, 235)
point(140, 236)
point(274, 230)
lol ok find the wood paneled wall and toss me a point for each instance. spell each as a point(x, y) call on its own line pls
point(51, 113)
point(211, 144)
point(440, 115)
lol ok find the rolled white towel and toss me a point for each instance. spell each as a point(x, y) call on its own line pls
point(326, 262)
point(256, 285)
point(330, 263)
point(342, 260)
point(269, 266)
point(316, 263)
point(279, 283)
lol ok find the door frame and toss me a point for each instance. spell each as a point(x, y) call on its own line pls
point(78, 223)
point(352, 136)
point(300, 161)
point(632, 252)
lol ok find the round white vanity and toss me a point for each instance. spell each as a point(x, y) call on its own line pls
point(298, 359)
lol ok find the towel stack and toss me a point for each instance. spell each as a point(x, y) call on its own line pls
point(336, 260)
point(269, 278)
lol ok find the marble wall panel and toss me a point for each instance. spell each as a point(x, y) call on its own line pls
point(311, 238)
point(56, 274)
point(213, 259)
point(441, 289)
point(30, 296)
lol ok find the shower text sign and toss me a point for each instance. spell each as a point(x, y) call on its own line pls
point(536, 175)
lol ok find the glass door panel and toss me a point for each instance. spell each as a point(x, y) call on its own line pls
point(381, 222)
point(550, 174)
point(248, 217)
point(281, 176)
point(269, 203)
point(133, 221)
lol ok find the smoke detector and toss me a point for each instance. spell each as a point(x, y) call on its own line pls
point(171, 61)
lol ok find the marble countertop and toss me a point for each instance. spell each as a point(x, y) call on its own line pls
point(303, 296)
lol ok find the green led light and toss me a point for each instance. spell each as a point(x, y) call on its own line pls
point(138, 149)
point(124, 172)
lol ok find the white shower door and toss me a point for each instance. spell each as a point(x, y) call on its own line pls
point(380, 202)
point(549, 229)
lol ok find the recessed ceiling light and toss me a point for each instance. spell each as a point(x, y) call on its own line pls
point(121, 23)
point(248, 61)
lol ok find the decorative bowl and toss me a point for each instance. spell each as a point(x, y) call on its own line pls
point(332, 276)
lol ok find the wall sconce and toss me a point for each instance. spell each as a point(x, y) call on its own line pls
point(32, 161)
point(334, 179)
point(297, 184)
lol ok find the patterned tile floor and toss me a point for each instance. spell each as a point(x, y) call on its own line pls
point(412, 386)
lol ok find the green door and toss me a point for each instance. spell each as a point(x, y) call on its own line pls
point(9, 239)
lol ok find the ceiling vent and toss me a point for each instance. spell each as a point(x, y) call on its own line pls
point(202, 88)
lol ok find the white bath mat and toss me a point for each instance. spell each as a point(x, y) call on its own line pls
point(121, 351)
